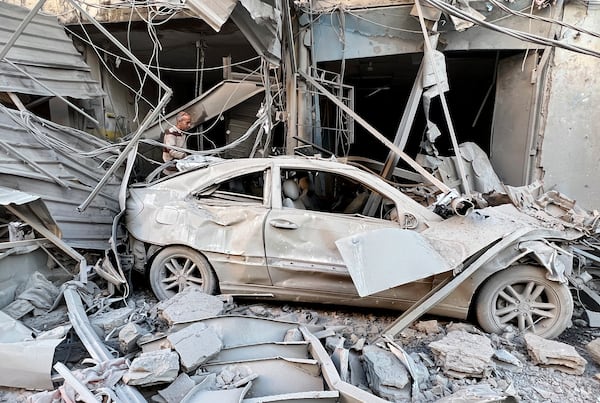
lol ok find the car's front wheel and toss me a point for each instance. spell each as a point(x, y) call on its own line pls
point(177, 267)
point(522, 296)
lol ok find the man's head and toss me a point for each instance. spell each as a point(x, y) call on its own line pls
point(183, 121)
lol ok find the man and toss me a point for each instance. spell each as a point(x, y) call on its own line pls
point(175, 136)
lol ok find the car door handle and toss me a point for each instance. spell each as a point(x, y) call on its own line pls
point(284, 224)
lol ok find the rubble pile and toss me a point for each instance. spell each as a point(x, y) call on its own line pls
point(197, 347)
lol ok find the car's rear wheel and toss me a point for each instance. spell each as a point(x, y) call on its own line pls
point(177, 267)
point(523, 297)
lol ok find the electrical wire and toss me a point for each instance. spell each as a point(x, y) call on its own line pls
point(544, 19)
point(512, 32)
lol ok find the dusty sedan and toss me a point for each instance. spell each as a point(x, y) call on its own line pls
point(285, 228)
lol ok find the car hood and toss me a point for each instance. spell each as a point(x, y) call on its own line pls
point(457, 238)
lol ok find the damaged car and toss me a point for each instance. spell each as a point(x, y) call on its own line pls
point(316, 230)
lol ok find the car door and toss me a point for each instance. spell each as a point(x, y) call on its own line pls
point(229, 226)
point(300, 240)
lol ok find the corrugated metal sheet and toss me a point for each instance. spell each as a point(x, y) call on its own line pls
point(44, 51)
point(28, 205)
point(220, 98)
point(214, 12)
point(42, 158)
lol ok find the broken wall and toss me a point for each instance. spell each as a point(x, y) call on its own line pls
point(570, 147)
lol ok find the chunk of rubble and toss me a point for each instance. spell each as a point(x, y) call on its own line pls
point(386, 376)
point(176, 391)
point(428, 326)
point(481, 392)
point(462, 354)
point(593, 348)
point(151, 368)
point(234, 376)
point(110, 319)
point(505, 359)
point(554, 354)
point(195, 344)
point(189, 305)
point(128, 337)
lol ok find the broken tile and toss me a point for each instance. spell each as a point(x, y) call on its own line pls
point(462, 354)
point(160, 366)
point(189, 305)
point(554, 354)
point(387, 377)
point(196, 344)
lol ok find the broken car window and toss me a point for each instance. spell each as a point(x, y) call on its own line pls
point(245, 188)
point(332, 193)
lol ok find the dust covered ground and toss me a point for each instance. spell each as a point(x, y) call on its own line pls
point(521, 380)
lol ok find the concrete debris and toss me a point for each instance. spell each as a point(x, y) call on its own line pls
point(111, 319)
point(554, 354)
point(387, 377)
point(195, 344)
point(152, 368)
point(128, 337)
point(176, 391)
point(593, 348)
point(189, 305)
point(293, 335)
point(462, 354)
point(234, 376)
point(428, 326)
point(507, 360)
point(480, 393)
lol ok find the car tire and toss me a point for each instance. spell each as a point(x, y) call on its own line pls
point(177, 267)
point(523, 297)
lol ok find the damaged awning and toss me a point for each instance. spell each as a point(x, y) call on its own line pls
point(258, 20)
point(220, 98)
point(45, 52)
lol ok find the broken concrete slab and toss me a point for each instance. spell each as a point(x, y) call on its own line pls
point(176, 391)
point(189, 305)
point(593, 348)
point(554, 354)
point(386, 375)
point(151, 368)
point(462, 354)
point(195, 344)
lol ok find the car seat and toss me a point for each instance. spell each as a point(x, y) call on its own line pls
point(291, 193)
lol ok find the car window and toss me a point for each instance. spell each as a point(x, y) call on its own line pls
point(332, 193)
point(247, 188)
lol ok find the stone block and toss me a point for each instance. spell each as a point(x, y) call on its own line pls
point(195, 344)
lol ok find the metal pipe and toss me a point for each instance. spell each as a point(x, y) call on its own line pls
point(429, 52)
point(84, 393)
